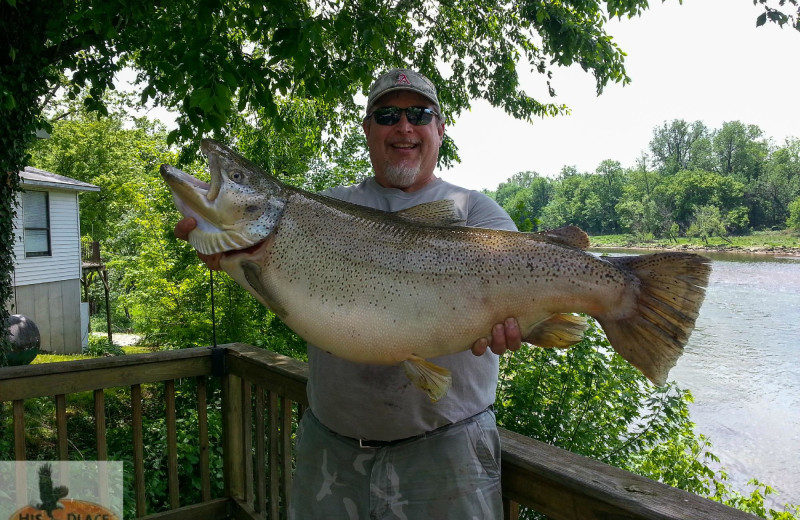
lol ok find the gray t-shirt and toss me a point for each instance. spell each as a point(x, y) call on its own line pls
point(379, 402)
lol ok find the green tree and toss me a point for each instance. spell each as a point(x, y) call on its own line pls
point(793, 222)
point(524, 196)
point(777, 186)
point(672, 144)
point(586, 200)
point(641, 210)
point(706, 223)
point(777, 15)
point(688, 190)
point(607, 186)
point(588, 400)
point(564, 206)
point(740, 150)
point(210, 59)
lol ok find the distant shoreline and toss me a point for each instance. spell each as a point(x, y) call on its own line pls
point(694, 248)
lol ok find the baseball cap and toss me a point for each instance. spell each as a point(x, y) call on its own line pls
point(401, 79)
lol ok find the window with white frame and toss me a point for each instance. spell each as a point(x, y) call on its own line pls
point(36, 223)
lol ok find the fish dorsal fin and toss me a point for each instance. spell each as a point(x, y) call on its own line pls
point(436, 213)
point(571, 236)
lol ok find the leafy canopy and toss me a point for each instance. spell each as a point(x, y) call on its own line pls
point(210, 59)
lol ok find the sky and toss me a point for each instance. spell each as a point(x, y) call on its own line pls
point(704, 60)
point(701, 60)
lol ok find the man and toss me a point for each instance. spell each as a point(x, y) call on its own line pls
point(372, 445)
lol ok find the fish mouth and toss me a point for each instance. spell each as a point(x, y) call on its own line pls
point(191, 195)
point(195, 198)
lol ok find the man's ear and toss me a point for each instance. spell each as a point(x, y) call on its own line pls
point(365, 127)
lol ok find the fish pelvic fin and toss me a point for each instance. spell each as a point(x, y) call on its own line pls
point(671, 290)
point(428, 377)
point(558, 331)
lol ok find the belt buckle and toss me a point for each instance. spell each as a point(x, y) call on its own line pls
point(368, 445)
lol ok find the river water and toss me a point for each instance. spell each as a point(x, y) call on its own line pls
point(742, 364)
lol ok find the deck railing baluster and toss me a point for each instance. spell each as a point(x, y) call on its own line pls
point(247, 440)
point(100, 442)
point(261, 461)
point(61, 426)
point(138, 449)
point(202, 431)
point(172, 444)
point(257, 474)
point(287, 446)
point(274, 482)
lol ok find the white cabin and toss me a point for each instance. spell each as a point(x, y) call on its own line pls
point(47, 259)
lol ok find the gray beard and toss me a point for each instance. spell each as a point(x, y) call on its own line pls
point(401, 176)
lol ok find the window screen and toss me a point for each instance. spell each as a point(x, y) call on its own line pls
point(36, 216)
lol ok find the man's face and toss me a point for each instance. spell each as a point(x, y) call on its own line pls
point(404, 155)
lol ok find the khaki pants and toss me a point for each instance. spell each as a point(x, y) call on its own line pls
point(451, 473)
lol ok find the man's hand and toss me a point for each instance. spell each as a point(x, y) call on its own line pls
point(182, 229)
point(505, 336)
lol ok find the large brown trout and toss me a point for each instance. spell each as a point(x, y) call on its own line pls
point(386, 288)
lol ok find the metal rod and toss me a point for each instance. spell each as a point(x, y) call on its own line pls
point(213, 313)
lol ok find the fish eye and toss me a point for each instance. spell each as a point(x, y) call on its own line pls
point(236, 176)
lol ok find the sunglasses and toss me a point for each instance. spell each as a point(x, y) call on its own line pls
point(388, 116)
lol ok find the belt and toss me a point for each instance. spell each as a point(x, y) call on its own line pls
point(374, 444)
point(366, 443)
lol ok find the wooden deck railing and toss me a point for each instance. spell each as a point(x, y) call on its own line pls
point(262, 397)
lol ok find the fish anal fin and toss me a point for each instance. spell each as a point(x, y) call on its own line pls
point(437, 213)
point(428, 377)
point(571, 236)
point(652, 335)
point(558, 331)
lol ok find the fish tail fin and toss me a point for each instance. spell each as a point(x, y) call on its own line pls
point(431, 379)
point(558, 331)
point(670, 288)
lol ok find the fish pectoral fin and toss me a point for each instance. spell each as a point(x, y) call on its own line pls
point(252, 273)
point(437, 213)
point(431, 379)
point(558, 331)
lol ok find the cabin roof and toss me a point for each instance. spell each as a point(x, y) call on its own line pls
point(34, 177)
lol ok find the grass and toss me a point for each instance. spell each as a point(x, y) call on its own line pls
point(46, 357)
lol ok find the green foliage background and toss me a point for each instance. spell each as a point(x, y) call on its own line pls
point(695, 181)
point(278, 79)
point(585, 399)
point(588, 400)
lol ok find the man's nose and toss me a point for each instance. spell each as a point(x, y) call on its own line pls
point(404, 125)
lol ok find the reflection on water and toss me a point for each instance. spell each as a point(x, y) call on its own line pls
point(742, 365)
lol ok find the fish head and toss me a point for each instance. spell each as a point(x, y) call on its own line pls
point(237, 209)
